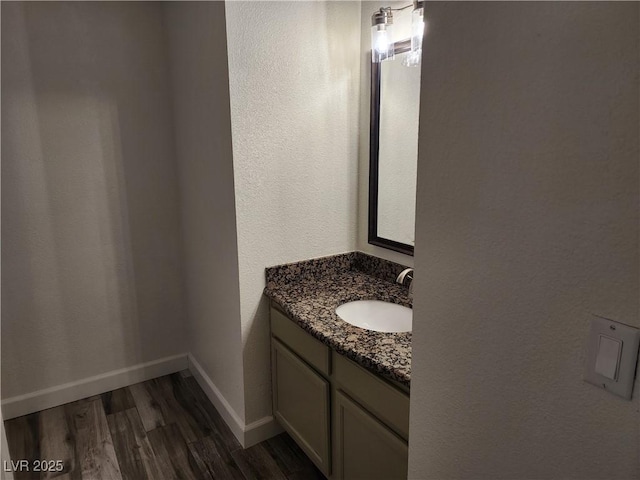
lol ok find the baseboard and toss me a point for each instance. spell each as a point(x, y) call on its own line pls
point(72, 391)
point(224, 408)
point(261, 430)
point(4, 453)
point(247, 435)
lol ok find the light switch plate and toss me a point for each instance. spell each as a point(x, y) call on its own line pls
point(629, 338)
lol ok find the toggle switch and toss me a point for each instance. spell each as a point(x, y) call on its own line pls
point(612, 354)
point(608, 357)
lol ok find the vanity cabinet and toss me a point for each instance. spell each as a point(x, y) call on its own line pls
point(301, 391)
point(301, 404)
point(365, 447)
point(351, 423)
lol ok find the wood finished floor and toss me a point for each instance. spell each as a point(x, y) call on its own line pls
point(165, 428)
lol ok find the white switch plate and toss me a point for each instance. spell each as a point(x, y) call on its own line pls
point(602, 337)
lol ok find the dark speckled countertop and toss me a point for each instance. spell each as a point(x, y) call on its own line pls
point(310, 291)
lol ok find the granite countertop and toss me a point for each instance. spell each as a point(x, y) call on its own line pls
point(309, 292)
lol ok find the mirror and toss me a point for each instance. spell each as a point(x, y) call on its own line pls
point(393, 152)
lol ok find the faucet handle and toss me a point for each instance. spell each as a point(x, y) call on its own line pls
point(407, 272)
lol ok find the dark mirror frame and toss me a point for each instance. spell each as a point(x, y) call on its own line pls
point(374, 160)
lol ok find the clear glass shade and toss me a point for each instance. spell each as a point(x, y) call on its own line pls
point(414, 57)
point(381, 43)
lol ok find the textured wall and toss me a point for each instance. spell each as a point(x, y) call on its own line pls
point(527, 224)
point(197, 46)
point(401, 32)
point(91, 273)
point(294, 111)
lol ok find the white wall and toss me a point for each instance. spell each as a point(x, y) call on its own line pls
point(401, 31)
point(197, 46)
point(527, 224)
point(294, 81)
point(91, 270)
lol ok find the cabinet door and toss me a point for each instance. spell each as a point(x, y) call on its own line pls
point(301, 404)
point(365, 449)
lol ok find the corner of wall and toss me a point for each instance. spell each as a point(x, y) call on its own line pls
point(247, 434)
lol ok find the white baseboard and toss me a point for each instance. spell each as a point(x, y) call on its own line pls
point(4, 453)
point(261, 430)
point(247, 435)
point(224, 408)
point(72, 391)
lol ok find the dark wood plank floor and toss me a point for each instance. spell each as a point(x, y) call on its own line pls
point(165, 428)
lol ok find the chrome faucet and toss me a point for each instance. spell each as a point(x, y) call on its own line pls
point(406, 273)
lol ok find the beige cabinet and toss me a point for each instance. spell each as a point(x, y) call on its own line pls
point(365, 448)
point(301, 404)
point(352, 423)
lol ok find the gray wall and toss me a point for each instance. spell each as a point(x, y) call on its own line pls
point(527, 225)
point(91, 268)
point(197, 46)
point(294, 81)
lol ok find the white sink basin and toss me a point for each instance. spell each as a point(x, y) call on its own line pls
point(376, 315)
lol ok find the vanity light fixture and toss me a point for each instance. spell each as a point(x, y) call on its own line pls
point(381, 41)
point(382, 46)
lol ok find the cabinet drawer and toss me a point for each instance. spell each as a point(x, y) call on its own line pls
point(365, 448)
point(382, 399)
point(302, 343)
point(301, 404)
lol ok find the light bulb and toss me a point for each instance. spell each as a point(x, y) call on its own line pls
point(381, 42)
point(382, 46)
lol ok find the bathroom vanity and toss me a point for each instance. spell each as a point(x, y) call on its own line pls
point(340, 391)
